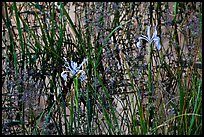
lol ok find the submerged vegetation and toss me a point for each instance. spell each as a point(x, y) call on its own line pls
point(93, 68)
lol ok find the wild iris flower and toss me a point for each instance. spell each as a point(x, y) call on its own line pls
point(74, 69)
point(149, 39)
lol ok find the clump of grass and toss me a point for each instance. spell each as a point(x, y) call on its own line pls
point(124, 92)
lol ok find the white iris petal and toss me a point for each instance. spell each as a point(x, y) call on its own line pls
point(149, 39)
point(74, 70)
point(139, 44)
point(145, 38)
point(64, 75)
point(82, 63)
point(73, 65)
point(155, 33)
point(82, 76)
point(148, 32)
point(157, 43)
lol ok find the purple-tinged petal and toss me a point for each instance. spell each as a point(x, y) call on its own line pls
point(155, 33)
point(144, 37)
point(157, 43)
point(82, 63)
point(139, 44)
point(64, 75)
point(148, 32)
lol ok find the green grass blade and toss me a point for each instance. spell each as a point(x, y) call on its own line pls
point(195, 108)
point(19, 31)
point(47, 118)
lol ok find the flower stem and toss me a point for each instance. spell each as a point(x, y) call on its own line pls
point(149, 61)
point(76, 87)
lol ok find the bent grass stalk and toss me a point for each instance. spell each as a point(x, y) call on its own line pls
point(173, 118)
